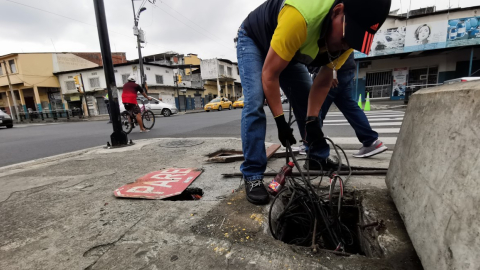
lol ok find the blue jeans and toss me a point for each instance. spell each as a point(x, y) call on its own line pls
point(342, 96)
point(295, 82)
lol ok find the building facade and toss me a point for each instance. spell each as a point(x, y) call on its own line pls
point(221, 79)
point(35, 86)
point(161, 83)
point(420, 49)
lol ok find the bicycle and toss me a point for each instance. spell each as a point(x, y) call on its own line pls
point(129, 121)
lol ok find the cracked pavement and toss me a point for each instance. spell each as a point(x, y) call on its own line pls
point(60, 213)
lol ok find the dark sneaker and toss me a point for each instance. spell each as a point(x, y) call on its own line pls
point(376, 148)
point(326, 165)
point(256, 192)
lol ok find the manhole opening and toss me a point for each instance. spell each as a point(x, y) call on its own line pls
point(295, 225)
point(189, 194)
point(224, 153)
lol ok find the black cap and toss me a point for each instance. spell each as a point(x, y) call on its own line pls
point(363, 18)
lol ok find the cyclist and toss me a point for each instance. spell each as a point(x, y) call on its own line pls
point(129, 99)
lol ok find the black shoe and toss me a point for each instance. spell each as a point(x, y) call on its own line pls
point(256, 192)
point(326, 165)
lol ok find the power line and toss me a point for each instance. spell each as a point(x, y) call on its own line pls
point(207, 31)
point(191, 27)
point(66, 17)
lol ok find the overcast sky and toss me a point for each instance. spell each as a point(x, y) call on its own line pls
point(204, 27)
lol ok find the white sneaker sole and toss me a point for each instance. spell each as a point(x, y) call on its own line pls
point(373, 153)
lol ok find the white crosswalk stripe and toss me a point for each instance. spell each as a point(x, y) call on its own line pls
point(385, 122)
point(371, 124)
point(370, 120)
point(353, 140)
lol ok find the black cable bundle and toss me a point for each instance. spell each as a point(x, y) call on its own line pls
point(309, 218)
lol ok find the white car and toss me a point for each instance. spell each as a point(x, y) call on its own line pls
point(462, 79)
point(160, 107)
point(156, 106)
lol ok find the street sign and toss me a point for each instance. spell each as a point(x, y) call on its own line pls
point(159, 184)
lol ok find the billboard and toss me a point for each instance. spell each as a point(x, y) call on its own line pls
point(400, 76)
point(463, 32)
point(426, 36)
point(389, 41)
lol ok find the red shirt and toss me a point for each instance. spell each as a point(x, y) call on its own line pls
point(129, 94)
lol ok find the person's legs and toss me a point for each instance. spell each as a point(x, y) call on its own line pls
point(296, 82)
point(253, 124)
point(140, 122)
point(354, 115)
point(108, 109)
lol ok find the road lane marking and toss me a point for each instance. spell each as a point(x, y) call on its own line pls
point(370, 120)
point(354, 140)
point(371, 124)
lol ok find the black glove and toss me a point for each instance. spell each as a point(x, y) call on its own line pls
point(313, 132)
point(285, 132)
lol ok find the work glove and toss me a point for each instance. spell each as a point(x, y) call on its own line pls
point(285, 132)
point(313, 132)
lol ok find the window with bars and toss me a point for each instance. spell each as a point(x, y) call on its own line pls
point(229, 71)
point(221, 69)
point(94, 82)
point(70, 85)
point(159, 79)
point(423, 77)
point(379, 84)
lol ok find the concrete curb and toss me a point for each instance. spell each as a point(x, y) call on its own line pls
point(32, 164)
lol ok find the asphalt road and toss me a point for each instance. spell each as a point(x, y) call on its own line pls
point(28, 142)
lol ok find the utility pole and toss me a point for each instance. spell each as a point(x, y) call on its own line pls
point(118, 137)
point(136, 18)
point(11, 91)
point(84, 96)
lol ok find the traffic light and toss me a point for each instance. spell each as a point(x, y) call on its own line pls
point(77, 82)
point(179, 78)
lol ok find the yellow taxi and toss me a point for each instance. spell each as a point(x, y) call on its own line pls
point(218, 104)
point(239, 103)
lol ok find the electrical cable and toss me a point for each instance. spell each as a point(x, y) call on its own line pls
point(193, 29)
point(73, 19)
point(199, 26)
point(304, 209)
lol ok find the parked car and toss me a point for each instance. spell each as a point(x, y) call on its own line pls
point(5, 120)
point(239, 103)
point(160, 107)
point(462, 79)
point(218, 104)
point(156, 106)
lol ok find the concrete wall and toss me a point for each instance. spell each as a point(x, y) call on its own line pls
point(209, 69)
point(434, 175)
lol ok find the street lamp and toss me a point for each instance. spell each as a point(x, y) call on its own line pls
point(139, 34)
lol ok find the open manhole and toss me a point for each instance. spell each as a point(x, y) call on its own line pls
point(181, 143)
point(189, 194)
point(292, 221)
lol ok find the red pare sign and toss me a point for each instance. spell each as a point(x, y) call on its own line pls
point(159, 184)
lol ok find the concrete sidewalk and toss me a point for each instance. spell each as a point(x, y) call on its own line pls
point(60, 213)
